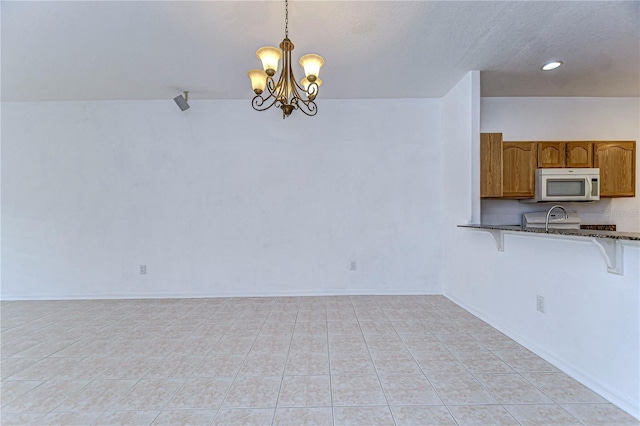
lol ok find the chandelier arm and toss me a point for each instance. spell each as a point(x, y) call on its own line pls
point(296, 88)
point(312, 91)
point(271, 85)
point(261, 104)
point(280, 91)
point(298, 85)
point(309, 107)
point(286, 72)
point(295, 97)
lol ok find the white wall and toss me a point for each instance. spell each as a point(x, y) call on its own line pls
point(461, 145)
point(461, 139)
point(220, 199)
point(552, 119)
point(591, 328)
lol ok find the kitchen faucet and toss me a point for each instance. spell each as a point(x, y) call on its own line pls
point(546, 224)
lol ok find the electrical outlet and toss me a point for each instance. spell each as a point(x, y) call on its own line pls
point(143, 269)
point(353, 265)
point(540, 304)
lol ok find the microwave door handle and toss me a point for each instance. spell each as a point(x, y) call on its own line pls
point(590, 186)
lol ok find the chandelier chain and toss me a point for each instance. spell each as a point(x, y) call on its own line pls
point(286, 18)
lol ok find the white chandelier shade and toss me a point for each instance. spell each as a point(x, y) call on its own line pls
point(270, 57)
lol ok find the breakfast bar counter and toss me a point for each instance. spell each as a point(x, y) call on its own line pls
point(610, 243)
point(592, 233)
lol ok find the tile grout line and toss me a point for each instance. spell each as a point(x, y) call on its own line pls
point(371, 356)
point(205, 357)
point(44, 381)
point(492, 373)
point(241, 365)
point(134, 385)
point(471, 373)
point(427, 377)
point(326, 336)
point(284, 367)
point(482, 384)
point(192, 371)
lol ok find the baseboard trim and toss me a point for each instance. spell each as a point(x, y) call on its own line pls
point(621, 401)
point(214, 295)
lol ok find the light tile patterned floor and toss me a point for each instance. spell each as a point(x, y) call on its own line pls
point(360, 360)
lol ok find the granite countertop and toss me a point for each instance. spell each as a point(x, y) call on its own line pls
point(614, 235)
point(599, 227)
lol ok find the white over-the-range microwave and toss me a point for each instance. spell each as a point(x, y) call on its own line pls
point(566, 185)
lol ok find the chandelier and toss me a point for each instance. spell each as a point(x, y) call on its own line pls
point(286, 94)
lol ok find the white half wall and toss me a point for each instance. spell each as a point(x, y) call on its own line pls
point(219, 200)
point(553, 119)
point(591, 328)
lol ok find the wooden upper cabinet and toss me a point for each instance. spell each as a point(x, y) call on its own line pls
point(579, 154)
point(565, 154)
point(617, 164)
point(519, 165)
point(507, 169)
point(551, 154)
point(490, 165)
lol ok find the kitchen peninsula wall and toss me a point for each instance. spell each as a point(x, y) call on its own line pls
point(553, 119)
point(599, 350)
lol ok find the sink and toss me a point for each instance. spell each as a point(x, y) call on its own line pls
point(536, 220)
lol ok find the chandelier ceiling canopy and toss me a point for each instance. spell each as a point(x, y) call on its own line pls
point(285, 93)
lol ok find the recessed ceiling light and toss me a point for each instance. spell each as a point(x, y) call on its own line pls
point(551, 65)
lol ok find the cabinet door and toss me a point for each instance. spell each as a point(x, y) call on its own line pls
point(551, 154)
point(490, 165)
point(617, 164)
point(519, 165)
point(579, 154)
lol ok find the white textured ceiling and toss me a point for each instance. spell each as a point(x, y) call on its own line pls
point(87, 50)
